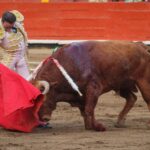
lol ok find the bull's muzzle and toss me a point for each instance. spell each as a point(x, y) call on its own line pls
point(46, 118)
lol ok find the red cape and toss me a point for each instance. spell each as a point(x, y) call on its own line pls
point(19, 102)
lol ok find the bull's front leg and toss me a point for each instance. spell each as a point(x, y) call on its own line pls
point(87, 111)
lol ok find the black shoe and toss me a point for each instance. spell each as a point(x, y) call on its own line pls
point(45, 126)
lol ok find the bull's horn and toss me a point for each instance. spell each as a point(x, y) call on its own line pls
point(43, 86)
point(35, 72)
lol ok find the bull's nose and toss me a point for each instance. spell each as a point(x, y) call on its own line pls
point(46, 118)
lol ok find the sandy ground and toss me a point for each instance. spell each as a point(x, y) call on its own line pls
point(68, 131)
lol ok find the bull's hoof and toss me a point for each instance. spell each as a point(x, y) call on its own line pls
point(99, 127)
point(120, 125)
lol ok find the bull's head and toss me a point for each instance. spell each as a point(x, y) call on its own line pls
point(48, 106)
point(44, 87)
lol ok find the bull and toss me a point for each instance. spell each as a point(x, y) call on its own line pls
point(96, 68)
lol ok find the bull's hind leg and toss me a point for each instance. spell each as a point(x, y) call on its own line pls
point(92, 94)
point(130, 101)
point(144, 87)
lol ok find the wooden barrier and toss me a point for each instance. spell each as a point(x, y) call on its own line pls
point(85, 21)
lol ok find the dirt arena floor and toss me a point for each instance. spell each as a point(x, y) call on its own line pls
point(68, 131)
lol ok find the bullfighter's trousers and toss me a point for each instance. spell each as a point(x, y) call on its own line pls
point(19, 65)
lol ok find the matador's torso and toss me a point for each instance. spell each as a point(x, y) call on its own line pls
point(13, 43)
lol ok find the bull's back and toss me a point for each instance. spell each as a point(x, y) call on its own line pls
point(110, 60)
point(104, 54)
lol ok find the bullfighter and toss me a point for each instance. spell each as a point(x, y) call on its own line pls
point(13, 42)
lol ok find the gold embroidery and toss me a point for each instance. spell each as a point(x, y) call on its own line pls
point(14, 40)
point(2, 31)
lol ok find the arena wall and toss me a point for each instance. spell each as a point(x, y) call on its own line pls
point(84, 21)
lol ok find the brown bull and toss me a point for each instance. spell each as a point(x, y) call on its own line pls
point(96, 67)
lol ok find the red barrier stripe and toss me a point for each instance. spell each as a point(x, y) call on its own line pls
point(75, 21)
